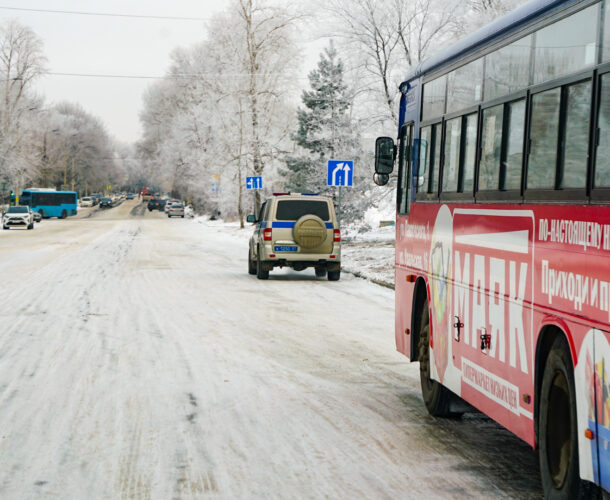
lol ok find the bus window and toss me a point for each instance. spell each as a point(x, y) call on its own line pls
point(451, 167)
point(470, 152)
point(576, 142)
point(544, 135)
point(514, 145)
point(491, 145)
point(602, 165)
point(422, 166)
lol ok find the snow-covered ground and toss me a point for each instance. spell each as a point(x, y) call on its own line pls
point(138, 359)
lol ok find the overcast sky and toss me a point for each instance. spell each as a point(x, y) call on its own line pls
point(115, 46)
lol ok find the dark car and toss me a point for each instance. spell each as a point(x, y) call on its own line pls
point(105, 203)
point(155, 204)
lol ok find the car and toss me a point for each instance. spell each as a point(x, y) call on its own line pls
point(37, 216)
point(106, 203)
point(155, 204)
point(168, 203)
point(176, 210)
point(298, 231)
point(18, 216)
point(87, 201)
point(130, 196)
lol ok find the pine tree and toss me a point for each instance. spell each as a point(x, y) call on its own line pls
point(325, 128)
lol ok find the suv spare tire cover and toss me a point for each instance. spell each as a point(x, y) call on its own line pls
point(309, 231)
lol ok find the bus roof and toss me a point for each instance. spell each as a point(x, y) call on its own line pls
point(499, 28)
point(39, 190)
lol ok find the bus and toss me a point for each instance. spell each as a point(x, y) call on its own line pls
point(503, 232)
point(49, 203)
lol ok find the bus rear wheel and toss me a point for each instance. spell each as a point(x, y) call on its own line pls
point(438, 399)
point(64, 214)
point(41, 212)
point(557, 429)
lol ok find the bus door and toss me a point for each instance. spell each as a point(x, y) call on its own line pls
point(404, 246)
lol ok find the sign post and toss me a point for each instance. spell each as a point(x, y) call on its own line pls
point(340, 173)
point(253, 184)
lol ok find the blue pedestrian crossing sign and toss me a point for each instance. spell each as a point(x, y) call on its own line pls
point(254, 183)
point(340, 173)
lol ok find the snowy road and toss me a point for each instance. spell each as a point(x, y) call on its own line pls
point(138, 359)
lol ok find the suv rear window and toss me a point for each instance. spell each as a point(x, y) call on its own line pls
point(295, 209)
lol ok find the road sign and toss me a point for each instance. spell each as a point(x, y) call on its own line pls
point(340, 173)
point(254, 183)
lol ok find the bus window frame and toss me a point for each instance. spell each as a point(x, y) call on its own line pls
point(601, 195)
point(498, 195)
point(459, 195)
point(533, 195)
point(409, 162)
point(424, 195)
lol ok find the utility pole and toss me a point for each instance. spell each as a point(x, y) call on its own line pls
point(72, 174)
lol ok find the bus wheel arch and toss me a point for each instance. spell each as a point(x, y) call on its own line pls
point(420, 298)
point(546, 339)
point(556, 418)
point(439, 401)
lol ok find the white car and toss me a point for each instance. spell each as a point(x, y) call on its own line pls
point(86, 202)
point(18, 216)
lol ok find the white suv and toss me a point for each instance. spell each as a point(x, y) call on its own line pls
point(18, 216)
point(297, 231)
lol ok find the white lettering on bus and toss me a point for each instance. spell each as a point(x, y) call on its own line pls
point(467, 284)
point(574, 232)
point(575, 288)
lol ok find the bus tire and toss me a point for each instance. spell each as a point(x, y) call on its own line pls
point(64, 214)
point(558, 429)
point(437, 398)
point(41, 212)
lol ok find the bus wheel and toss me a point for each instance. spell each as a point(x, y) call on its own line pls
point(64, 214)
point(41, 212)
point(437, 398)
point(558, 431)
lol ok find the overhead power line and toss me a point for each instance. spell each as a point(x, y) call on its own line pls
point(166, 77)
point(105, 14)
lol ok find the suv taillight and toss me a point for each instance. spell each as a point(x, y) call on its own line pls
point(267, 234)
point(337, 234)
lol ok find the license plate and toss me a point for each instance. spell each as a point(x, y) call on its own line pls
point(283, 248)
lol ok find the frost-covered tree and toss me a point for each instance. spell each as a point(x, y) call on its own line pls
point(21, 62)
point(326, 130)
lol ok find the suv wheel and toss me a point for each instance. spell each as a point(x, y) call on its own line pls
point(261, 274)
point(334, 275)
point(251, 264)
point(320, 272)
point(31, 226)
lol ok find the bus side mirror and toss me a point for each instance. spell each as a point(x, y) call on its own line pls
point(251, 219)
point(385, 153)
point(381, 179)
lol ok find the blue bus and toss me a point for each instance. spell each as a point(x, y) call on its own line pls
point(503, 156)
point(50, 203)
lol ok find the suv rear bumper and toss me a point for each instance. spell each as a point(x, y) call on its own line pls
point(331, 262)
